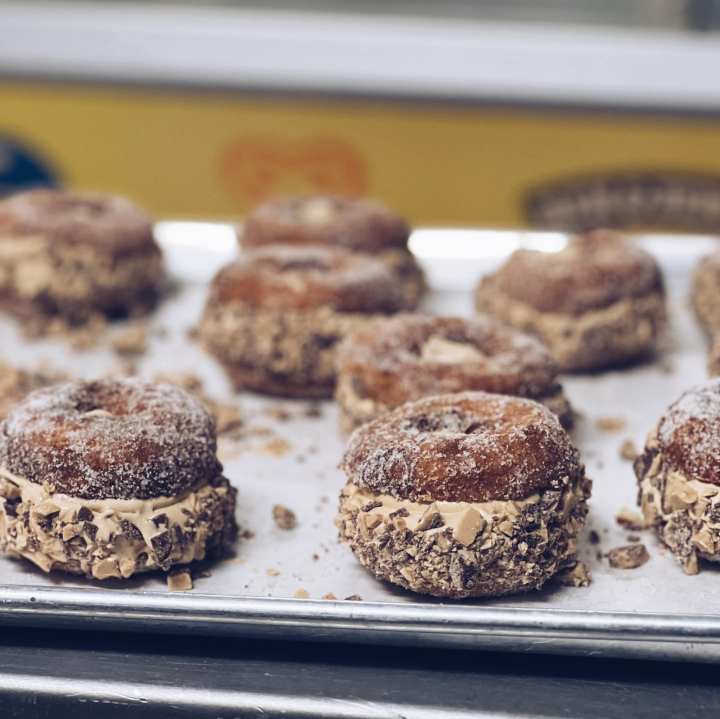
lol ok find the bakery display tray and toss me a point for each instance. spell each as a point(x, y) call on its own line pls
point(287, 453)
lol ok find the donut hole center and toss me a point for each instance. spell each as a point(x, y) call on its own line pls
point(452, 421)
point(317, 211)
point(442, 349)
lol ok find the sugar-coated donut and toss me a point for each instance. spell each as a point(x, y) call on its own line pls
point(113, 477)
point(356, 224)
point(75, 254)
point(463, 495)
point(597, 303)
point(705, 295)
point(274, 317)
point(679, 477)
point(398, 359)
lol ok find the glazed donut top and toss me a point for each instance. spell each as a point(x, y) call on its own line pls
point(359, 225)
point(111, 439)
point(595, 270)
point(283, 277)
point(688, 434)
point(106, 222)
point(467, 447)
point(400, 358)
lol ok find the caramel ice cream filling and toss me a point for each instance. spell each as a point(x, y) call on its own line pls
point(685, 512)
point(106, 537)
point(467, 520)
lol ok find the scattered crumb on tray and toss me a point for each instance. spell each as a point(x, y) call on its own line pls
point(247, 534)
point(283, 517)
point(594, 537)
point(301, 594)
point(630, 520)
point(130, 340)
point(279, 413)
point(313, 409)
point(631, 556)
point(628, 450)
point(610, 424)
point(353, 598)
point(272, 572)
point(276, 447)
point(180, 581)
point(329, 595)
point(633, 538)
point(575, 576)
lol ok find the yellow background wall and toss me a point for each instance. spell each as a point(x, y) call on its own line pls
point(212, 154)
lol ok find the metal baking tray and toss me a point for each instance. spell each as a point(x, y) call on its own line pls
point(289, 456)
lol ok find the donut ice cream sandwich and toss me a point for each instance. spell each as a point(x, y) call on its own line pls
point(274, 317)
point(596, 304)
point(111, 478)
point(464, 495)
point(678, 477)
point(73, 255)
point(409, 356)
point(358, 225)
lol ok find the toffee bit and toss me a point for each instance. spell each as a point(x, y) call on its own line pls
point(329, 596)
point(628, 450)
point(631, 520)
point(283, 517)
point(179, 581)
point(631, 556)
point(276, 447)
point(301, 594)
point(272, 572)
point(131, 340)
point(576, 576)
point(610, 424)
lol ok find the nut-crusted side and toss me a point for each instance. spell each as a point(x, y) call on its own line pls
point(705, 293)
point(283, 353)
point(461, 549)
point(75, 254)
point(113, 538)
point(685, 512)
point(624, 331)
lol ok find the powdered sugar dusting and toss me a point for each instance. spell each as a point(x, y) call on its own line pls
point(470, 446)
point(119, 439)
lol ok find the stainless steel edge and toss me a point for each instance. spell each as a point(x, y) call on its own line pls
point(437, 624)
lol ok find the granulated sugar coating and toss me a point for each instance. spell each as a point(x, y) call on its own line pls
point(689, 433)
point(286, 277)
point(111, 439)
point(467, 447)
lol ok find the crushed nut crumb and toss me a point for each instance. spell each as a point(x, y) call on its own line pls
point(610, 424)
point(630, 520)
point(180, 581)
point(631, 556)
point(628, 450)
point(283, 517)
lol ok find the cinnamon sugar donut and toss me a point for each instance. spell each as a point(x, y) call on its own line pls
point(463, 495)
point(110, 478)
point(357, 225)
point(274, 317)
point(75, 254)
point(705, 295)
point(398, 359)
point(597, 303)
point(679, 477)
